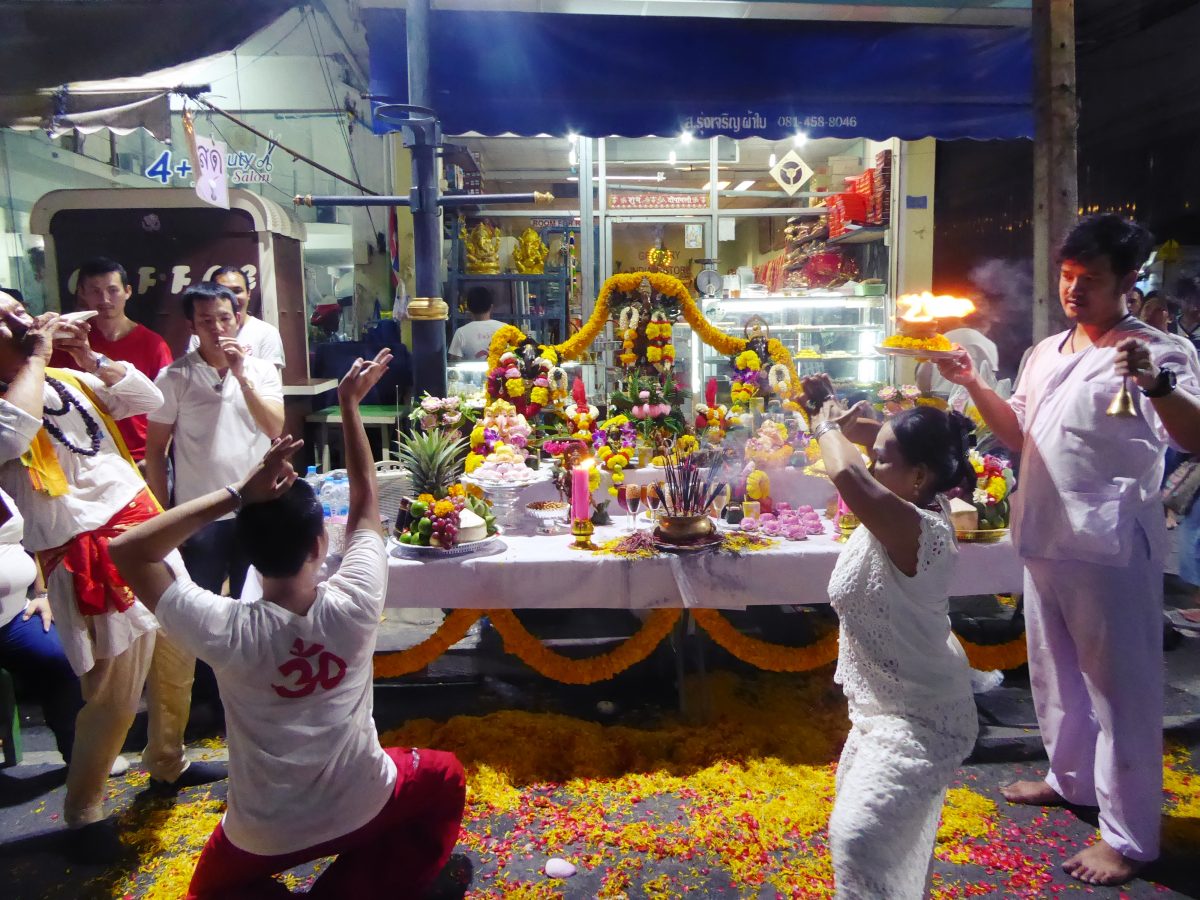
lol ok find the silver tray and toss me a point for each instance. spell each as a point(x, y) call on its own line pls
point(415, 551)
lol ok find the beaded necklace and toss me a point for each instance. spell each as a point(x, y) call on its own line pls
point(68, 402)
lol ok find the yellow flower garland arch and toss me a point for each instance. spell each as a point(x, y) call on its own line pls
point(509, 336)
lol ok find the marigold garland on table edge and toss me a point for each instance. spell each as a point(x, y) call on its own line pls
point(531, 651)
point(764, 654)
point(1004, 656)
point(404, 662)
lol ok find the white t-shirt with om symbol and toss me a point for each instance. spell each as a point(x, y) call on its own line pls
point(305, 763)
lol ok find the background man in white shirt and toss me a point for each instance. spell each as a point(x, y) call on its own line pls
point(221, 410)
point(60, 462)
point(308, 777)
point(472, 340)
point(261, 338)
point(1088, 522)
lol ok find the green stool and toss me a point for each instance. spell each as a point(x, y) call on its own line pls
point(10, 723)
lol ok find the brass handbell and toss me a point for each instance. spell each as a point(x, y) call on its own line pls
point(1122, 406)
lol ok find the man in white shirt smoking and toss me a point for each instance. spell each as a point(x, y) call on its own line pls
point(308, 777)
point(261, 340)
point(1088, 522)
point(63, 462)
point(221, 410)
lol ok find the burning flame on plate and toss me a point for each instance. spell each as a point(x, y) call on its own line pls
point(925, 307)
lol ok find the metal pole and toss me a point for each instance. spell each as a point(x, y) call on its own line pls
point(1055, 163)
point(429, 331)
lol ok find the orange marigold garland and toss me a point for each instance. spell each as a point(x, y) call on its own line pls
point(1003, 656)
point(764, 654)
point(404, 662)
point(526, 647)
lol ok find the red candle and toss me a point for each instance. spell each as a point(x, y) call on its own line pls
point(581, 495)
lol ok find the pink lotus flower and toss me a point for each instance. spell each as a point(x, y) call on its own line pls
point(644, 395)
point(541, 382)
point(512, 372)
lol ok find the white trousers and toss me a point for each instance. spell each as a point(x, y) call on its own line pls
point(1096, 668)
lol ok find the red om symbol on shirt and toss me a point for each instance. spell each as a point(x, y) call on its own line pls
point(330, 670)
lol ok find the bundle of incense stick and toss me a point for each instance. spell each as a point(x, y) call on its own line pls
point(690, 492)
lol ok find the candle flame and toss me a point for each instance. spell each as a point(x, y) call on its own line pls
point(925, 307)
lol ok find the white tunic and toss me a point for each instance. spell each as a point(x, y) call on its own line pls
point(99, 486)
point(1089, 480)
point(909, 691)
point(897, 655)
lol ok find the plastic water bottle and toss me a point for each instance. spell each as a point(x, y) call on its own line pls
point(340, 508)
point(325, 495)
point(314, 480)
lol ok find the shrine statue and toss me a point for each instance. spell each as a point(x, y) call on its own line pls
point(483, 249)
point(529, 258)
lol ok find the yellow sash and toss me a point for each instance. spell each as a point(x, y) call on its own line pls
point(41, 460)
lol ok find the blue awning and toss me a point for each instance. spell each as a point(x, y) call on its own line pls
point(541, 73)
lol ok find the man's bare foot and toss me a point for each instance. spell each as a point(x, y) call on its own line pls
point(1102, 865)
point(1032, 793)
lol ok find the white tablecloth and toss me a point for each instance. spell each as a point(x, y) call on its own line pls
point(524, 570)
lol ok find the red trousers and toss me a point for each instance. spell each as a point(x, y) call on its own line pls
point(397, 854)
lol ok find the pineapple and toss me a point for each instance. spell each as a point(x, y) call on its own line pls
point(434, 460)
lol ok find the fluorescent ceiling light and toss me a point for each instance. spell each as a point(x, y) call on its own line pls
point(685, 137)
point(671, 158)
point(771, 161)
point(721, 185)
point(800, 139)
point(745, 185)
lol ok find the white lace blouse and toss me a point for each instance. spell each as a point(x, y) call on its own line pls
point(897, 654)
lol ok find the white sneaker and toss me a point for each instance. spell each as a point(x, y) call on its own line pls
point(119, 767)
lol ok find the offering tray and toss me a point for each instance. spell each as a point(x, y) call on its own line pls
point(551, 515)
point(982, 535)
point(504, 494)
point(415, 551)
point(704, 544)
point(918, 354)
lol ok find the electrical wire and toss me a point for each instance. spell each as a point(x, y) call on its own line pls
point(319, 48)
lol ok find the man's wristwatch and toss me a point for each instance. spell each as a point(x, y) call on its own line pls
point(1163, 385)
point(101, 361)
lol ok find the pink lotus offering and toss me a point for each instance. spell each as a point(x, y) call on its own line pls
point(795, 533)
point(750, 524)
point(771, 528)
point(767, 517)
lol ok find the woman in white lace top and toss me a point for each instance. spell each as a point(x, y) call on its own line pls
point(904, 674)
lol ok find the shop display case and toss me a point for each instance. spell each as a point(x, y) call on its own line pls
point(826, 331)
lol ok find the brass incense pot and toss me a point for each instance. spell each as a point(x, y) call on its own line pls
point(684, 529)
